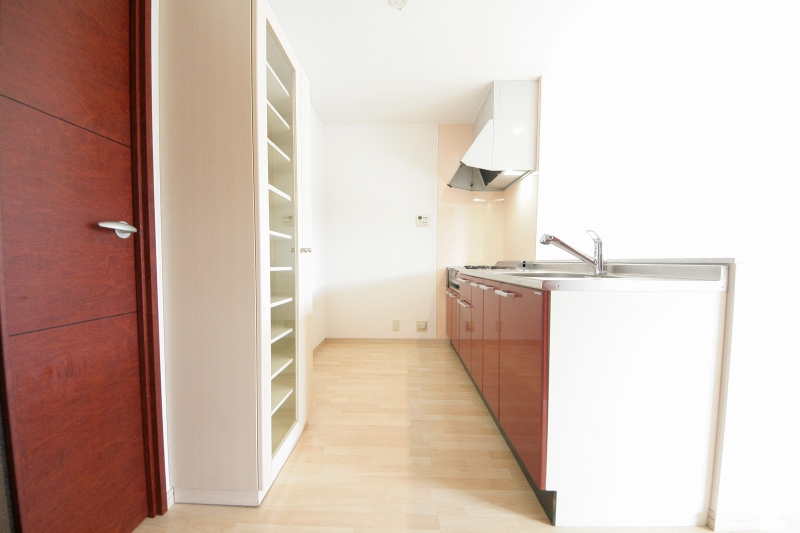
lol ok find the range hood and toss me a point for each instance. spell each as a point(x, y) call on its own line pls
point(504, 139)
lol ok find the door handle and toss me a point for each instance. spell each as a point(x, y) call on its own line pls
point(505, 294)
point(484, 288)
point(121, 228)
point(464, 304)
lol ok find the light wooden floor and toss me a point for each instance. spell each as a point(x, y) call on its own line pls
point(398, 440)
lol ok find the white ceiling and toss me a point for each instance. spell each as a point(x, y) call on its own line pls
point(430, 63)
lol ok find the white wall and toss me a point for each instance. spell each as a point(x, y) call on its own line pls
point(519, 221)
point(672, 129)
point(318, 232)
point(380, 265)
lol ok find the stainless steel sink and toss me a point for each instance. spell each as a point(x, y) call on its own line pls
point(556, 275)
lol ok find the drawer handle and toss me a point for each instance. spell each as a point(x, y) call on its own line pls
point(451, 295)
point(505, 294)
point(473, 284)
point(464, 304)
point(461, 280)
point(484, 288)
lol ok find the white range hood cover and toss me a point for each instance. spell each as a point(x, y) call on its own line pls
point(505, 135)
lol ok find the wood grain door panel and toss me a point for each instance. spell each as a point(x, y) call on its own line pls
point(70, 394)
point(70, 59)
point(56, 182)
point(80, 361)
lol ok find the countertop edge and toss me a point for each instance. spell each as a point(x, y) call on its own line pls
point(626, 284)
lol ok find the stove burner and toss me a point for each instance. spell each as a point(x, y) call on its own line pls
point(477, 266)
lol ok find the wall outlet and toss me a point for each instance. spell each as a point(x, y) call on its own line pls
point(422, 220)
point(395, 325)
point(422, 325)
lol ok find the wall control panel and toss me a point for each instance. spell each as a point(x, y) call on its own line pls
point(422, 220)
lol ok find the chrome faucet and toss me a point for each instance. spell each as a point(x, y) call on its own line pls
point(596, 262)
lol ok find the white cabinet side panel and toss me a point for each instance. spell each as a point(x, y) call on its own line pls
point(208, 244)
point(305, 196)
point(260, 184)
point(633, 404)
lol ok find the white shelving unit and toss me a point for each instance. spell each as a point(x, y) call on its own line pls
point(280, 299)
point(280, 393)
point(280, 363)
point(282, 153)
point(236, 384)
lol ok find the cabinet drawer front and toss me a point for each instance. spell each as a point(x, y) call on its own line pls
point(523, 375)
point(476, 349)
point(491, 346)
point(465, 331)
point(464, 287)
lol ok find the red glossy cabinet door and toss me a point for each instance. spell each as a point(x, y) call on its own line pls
point(450, 301)
point(476, 344)
point(523, 375)
point(491, 345)
point(464, 288)
point(465, 331)
point(455, 339)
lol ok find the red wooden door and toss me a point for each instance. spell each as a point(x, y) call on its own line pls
point(70, 328)
point(491, 345)
point(523, 375)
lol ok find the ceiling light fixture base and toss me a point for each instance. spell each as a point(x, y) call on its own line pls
point(399, 4)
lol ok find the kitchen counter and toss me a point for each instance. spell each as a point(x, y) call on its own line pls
point(606, 388)
point(639, 276)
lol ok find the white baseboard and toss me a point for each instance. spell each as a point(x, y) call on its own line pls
point(741, 522)
point(383, 340)
point(318, 346)
point(752, 522)
point(246, 498)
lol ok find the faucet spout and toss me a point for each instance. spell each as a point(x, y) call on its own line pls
point(595, 262)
